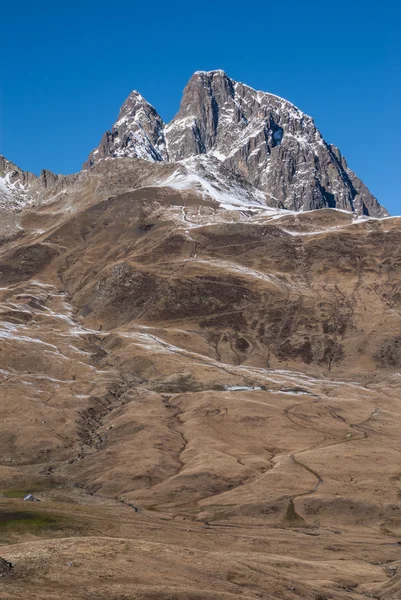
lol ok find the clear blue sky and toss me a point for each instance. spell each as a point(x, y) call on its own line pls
point(66, 67)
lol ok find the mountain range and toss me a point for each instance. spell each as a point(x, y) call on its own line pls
point(225, 129)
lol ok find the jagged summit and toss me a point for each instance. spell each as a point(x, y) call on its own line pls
point(137, 133)
point(267, 140)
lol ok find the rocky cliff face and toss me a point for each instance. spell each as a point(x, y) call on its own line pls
point(265, 139)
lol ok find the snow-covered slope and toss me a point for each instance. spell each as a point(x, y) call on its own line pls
point(16, 187)
point(206, 176)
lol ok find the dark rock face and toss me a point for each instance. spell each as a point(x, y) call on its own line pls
point(5, 567)
point(267, 140)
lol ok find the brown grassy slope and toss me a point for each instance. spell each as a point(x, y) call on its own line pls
point(126, 330)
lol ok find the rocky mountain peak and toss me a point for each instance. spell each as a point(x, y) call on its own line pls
point(137, 133)
point(220, 114)
point(265, 139)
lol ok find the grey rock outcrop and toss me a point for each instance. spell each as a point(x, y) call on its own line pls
point(266, 139)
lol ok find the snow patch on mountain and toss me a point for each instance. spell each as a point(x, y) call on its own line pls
point(204, 175)
point(13, 193)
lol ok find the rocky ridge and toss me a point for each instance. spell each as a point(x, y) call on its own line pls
point(15, 185)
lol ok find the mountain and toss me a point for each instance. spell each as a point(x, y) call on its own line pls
point(265, 139)
point(201, 387)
